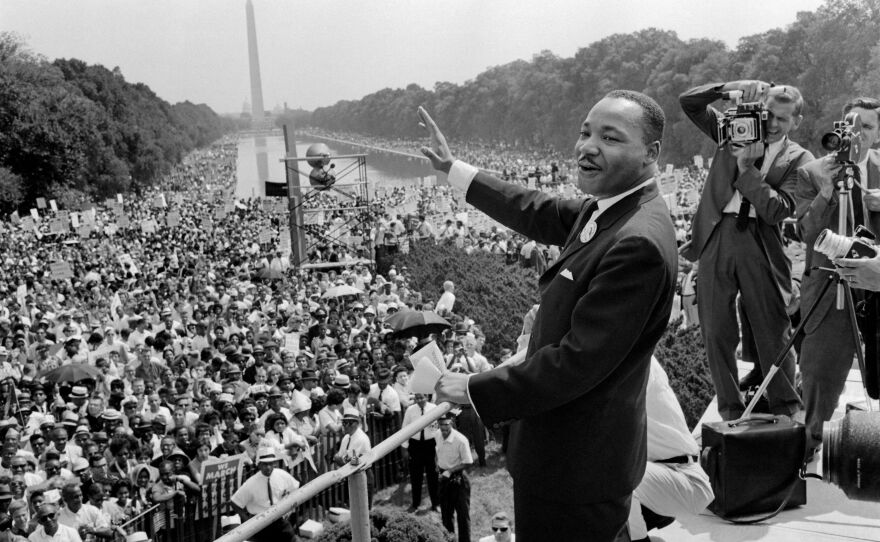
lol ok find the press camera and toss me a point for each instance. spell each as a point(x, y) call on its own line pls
point(744, 124)
point(834, 246)
point(845, 139)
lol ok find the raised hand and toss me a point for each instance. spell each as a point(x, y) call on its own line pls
point(439, 154)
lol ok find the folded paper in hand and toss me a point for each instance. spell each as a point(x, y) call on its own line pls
point(429, 367)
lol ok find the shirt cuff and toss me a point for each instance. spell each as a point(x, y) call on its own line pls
point(467, 389)
point(461, 175)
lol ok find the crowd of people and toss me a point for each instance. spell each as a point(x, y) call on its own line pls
point(186, 349)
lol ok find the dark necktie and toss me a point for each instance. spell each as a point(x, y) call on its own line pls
point(422, 434)
point(742, 217)
point(269, 489)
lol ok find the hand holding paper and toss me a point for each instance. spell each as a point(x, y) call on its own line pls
point(429, 367)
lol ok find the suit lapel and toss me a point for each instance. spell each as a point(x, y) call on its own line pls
point(604, 221)
point(777, 170)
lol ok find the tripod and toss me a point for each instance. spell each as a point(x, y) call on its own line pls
point(845, 181)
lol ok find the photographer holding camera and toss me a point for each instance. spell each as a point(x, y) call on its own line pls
point(828, 348)
point(736, 234)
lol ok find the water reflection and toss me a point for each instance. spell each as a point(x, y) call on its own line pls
point(259, 160)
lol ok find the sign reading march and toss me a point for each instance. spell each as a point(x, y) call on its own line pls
point(220, 478)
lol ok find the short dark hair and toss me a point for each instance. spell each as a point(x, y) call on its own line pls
point(864, 102)
point(787, 94)
point(653, 118)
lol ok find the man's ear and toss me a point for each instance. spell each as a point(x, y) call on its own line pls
point(796, 123)
point(652, 152)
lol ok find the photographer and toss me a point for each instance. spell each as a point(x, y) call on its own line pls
point(736, 238)
point(827, 350)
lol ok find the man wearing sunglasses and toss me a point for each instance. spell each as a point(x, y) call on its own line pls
point(49, 530)
point(501, 530)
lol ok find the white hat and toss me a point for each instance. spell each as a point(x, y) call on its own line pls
point(266, 455)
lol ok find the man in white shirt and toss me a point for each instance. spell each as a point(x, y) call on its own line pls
point(447, 300)
point(85, 518)
point(49, 529)
point(388, 399)
point(354, 444)
point(674, 483)
point(420, 453)
point(263, 490)
point(453, 458)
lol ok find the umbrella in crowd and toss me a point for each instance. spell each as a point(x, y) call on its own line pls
point(408, 323)
point(72, 372)
point(267, 273)
point(341, 291)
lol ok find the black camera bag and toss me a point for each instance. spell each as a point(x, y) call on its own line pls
point(754, 464)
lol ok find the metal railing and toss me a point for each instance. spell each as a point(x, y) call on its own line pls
point(355, 473)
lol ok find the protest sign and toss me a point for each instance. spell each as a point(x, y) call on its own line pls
point(172, 219)
point(266, 236)
point(698, 160)
point(56, 225)
point(41, 203)
point(15, 218)
point(60, 270)
point(668, 184)
point(53, 205)
point(35, 214)
point(159, 201)
point(669, 168)
point(220, 477)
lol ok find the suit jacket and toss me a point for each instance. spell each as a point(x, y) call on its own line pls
point(772, 196)
point(814, 214)
point(578, 399)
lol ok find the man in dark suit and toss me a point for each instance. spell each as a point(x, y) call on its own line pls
point(828, 347)
point(736, 238)
point(577, 443)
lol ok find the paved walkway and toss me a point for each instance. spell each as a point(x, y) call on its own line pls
point(828, 515)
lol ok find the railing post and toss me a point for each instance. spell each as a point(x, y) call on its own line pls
point(360, 509)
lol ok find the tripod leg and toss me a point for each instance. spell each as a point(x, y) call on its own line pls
point(860, 355)
point(781, 357)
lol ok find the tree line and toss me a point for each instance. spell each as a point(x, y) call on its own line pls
point(78, 132)
point(831, 55)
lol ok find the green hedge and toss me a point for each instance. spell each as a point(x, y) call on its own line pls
point(683, 355)
point(391, 526)
point(495, 295)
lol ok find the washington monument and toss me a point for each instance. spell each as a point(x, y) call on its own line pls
point(257, 111)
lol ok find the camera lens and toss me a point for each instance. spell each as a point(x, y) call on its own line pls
point(851, 454)
point(741, 129)
point(831, 141)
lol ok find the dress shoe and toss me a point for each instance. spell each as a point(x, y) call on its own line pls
point(752, 379)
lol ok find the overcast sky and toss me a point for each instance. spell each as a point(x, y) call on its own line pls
point(316, 52)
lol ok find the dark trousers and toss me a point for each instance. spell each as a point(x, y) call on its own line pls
point(278, 531)
point(733, 262)
point(455, 500)
point(422, 463)
point(472, 427)
point(539, 519)
point(826, 358)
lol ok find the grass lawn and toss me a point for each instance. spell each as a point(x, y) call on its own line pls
point(491, 492)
